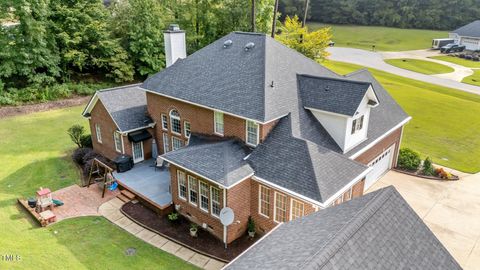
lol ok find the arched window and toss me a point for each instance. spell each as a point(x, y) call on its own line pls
point(175, 122)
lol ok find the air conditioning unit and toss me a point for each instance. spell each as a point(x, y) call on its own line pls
point(177, 207)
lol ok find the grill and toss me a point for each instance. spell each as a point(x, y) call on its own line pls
point(123, 163)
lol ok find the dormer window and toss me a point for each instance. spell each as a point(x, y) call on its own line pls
point(357, 124)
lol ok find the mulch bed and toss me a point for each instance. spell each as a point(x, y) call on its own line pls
point(180, 232)
point(8, 111)
point(431, 177)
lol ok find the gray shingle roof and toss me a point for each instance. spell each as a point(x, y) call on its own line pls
point(376, 231)
point(127, 106)
point(470, 30)
point(220, 161)
point(301, 165)
point(332, 94)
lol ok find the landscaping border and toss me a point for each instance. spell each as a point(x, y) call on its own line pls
point(454, 177)
point(8, 111)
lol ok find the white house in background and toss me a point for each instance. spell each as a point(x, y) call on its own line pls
point(467, 35)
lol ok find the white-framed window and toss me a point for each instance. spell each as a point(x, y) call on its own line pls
point(264, 201)
point(204, 196)
point(182, 185)
point(176, 143)
point(117, 138)
point(297, 209)
point(166, 143)
point(192, 190)
point(218, 120)
point(347, 196)
point(98, 132)
point(280, 212)
point(175, 122)
point(357, 124)
point(164, 122)
point(215, 198)
point(186, 128)
point(252, 133)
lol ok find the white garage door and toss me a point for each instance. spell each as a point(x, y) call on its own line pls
point(380, 165)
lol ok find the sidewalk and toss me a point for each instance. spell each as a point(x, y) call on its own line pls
point(111, 211)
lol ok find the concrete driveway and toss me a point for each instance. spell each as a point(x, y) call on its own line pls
point(451, 209)
point(375, 60)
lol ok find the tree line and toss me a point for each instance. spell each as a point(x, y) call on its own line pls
point(420, 14)
point(44, 43)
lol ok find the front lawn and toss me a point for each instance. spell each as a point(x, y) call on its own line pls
point(457, 60)
point(474, 78)
point(34, 151)
point(420, 66)
point(445, 122)
point(384, 38)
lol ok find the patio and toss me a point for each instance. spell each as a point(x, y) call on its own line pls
point(147, 183)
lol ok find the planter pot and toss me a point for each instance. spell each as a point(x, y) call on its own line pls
point(193, 232)
point(251, 234)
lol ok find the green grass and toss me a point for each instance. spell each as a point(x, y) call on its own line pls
point(445, 121)
point(34, 151)
point(458, 61)
point(420, 66)
point(473, 79)
point(384, 38)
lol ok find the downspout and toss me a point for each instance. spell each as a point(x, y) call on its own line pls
point(225, 227)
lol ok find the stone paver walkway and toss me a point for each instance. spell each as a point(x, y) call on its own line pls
point(451, 209)
point(111, 211)
point(80, 201)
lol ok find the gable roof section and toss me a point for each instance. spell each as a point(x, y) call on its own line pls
point(470, 30)
point(218, 161)
point(376, 231)
point(302, 166)
point(334, 95)
point(126, 105)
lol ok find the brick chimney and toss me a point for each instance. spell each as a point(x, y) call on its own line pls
point(174, 44)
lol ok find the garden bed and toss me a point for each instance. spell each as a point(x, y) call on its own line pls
point(419, 174)
point(204, 243)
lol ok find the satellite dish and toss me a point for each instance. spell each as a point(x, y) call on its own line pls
point(226, 216)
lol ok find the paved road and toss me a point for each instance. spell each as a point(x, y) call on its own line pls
point(375, 60)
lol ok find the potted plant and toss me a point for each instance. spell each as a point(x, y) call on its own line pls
point(193, 229)
point(251, 227)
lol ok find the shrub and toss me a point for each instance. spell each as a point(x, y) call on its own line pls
point(440, 172)
point(428, 168)
point(251, 224)
point(89, 156)
point(88, 161)
point(86, 141)
point(79, 154)
point(408, 159)
point(76, 132)
point(173, 217)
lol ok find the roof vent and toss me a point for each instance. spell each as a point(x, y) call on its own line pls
point(227, 43)
point(327, 88)
point(249, 46)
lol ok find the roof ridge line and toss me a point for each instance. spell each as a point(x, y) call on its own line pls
point(353, 225)
point(120, 87)
point(334, 79)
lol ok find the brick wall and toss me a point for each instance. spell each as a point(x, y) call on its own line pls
point(380, 147)
point(194, 213)
point(264, 224)
point(201, 120)
point(99, 115)
point(357, 189)
point(238, 198)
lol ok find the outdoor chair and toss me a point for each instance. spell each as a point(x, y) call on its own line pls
point(160, 163)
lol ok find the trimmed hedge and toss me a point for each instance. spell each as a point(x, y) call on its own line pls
point(409, 159)
point(79, 154)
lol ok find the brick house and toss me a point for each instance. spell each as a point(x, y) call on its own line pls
point(252, 125)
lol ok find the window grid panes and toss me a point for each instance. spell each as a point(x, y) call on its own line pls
point(182, 186)
point(175, 122)
point(219, 123)
point(264, 201)
point(215, 193)
point(166, 143)
point(204, 196)
point(193, 189)
point(187, 129)
point(357, 124)
point(98, 131)
point(297, 209)
point(164, 122)
point(280, 207)
point(118, 141)
point(176, 143)
point(252, 133)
